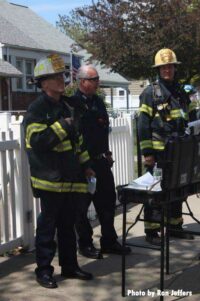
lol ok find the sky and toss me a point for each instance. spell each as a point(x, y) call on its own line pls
point(50, 9)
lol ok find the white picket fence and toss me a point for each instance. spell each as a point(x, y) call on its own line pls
point(18, 208)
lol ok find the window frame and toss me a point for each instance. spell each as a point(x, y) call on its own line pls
point(25, 76)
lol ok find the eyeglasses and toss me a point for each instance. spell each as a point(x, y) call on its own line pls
point(94, 79)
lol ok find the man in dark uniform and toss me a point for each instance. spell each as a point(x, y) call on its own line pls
point(95, 130)
point(57, 160)
point(164, 110)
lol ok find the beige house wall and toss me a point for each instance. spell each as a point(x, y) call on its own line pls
point(136, 87)
point(108, 92)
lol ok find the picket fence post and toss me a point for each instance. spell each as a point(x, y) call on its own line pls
point(24, 195)
point(131, 173)
point(25, 208)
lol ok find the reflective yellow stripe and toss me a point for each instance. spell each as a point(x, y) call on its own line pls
point(81, 140)
point(78, 145)
point(62, 147)
point(146, 109)
point(84, 157)
point(146, 144)
point(186, 116)
point(175, 113)
point(149, 225)
point(159, 145)
point(78, 148)
point(79, 187)
point(50, 186)
point(33, 128)
point(172, 221)
point(176, 221)
point(192, 106)
point(59, 186)
point(58, 130)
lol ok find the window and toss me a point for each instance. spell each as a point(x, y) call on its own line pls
point(26, 66)
point(19, 81)
point(7, 58)
point(121, 92)
point(68, 73)
point(29, 73)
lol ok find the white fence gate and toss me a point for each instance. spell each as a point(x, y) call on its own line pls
point(18, 209)
point(121, 145)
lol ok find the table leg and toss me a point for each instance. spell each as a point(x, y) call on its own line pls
point(123, 254)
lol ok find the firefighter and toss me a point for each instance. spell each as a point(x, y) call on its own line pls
point(164, 110)
point(95, 130)
point(56, 157)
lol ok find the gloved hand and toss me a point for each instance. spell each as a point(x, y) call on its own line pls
point(89, 172)
point(109, 158)
point(69, 120)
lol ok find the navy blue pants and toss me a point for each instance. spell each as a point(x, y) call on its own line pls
point(104, 201)
point(57, 214)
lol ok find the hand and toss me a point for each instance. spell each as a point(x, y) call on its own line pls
point(69, 120)
point(110, 159)
point(89, 172)
point(149, 161)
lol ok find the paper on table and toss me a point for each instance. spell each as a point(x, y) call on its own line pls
point(146, 182)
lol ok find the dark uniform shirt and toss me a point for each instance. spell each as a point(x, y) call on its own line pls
point(94, 124)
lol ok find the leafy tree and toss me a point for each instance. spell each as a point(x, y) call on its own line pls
point(126, 34)
point(71, 88)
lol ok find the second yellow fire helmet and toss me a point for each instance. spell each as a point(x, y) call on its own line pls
point(165, 56)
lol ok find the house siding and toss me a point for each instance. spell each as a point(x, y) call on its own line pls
point(137, 86)
point(26, 36)
point(21, 100)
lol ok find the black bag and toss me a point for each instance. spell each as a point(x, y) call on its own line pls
point(179, 160)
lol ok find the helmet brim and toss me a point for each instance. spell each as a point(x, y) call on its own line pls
point(159, 65)
point(45, 76)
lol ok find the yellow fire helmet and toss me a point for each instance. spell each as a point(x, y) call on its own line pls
point(52, 64)
point(165, 56)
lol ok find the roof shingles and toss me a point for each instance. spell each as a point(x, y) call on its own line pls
point(21, 27)
point(27, 29)
point(8, 70)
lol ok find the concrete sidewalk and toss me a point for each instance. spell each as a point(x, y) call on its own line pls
point(17, 279)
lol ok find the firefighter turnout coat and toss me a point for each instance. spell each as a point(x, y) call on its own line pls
point(55, 149)
point(164, 110)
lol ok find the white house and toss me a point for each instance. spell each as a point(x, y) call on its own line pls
point(24, 39)
point(127, 98)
